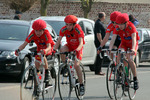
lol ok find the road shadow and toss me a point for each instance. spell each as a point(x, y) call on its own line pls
point(88, 98)
point(8, 79)
point(144, 65)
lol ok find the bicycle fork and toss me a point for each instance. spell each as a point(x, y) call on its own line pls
point(40, 82)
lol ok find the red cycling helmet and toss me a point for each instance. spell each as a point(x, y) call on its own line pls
point(113, 15)
point(122, 18)
point(39, 24)
point(70, 19)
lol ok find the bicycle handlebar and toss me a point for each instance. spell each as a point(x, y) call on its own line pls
point(72, 53)
point(105, 50)
point(32, 54)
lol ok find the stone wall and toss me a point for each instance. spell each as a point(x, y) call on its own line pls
point(140, 11)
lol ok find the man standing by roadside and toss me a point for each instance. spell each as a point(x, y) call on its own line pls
point(99, 32)
point(18, 15)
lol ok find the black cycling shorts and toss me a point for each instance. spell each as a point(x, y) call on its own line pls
point(117, 42)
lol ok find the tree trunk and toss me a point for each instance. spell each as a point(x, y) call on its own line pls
point(85, 14)
point(86, 6)
point(44, 4)
point(43, 11)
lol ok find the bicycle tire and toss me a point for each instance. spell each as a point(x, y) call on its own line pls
point(131, 91)
point(64, 82)
point(50, 88)
point(110, 80)
point(27, 85)
point(78, 84)
point(119, 82)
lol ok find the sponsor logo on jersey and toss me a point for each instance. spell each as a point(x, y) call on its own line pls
point(128, 38)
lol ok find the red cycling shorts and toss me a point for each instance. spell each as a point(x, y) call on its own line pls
point(38, 57)
point(125, 46)
point(79, 53)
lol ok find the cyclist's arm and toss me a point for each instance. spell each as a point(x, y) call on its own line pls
point(112, 41)
point(48, 48)
point(133, 41)
point(58, 43)
point(21, 47)
point(80, 44)
point(105, 39)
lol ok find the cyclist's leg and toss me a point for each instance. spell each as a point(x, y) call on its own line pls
point(77, 65)
point(133, 67)
point(64, 48)
point(132, 64)
point(37, 62)
point(78, 70)
point(80, 78)
point(131, 61)
point(47, 71)
point(114, 47)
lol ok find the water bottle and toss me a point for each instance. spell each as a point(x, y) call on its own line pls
point(126, 69)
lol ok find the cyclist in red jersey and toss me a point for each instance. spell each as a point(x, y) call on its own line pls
point(129, 39)
point(75, 41)
point(110, 29)
point(44, 42)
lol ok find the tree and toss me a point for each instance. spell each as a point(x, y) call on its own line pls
point(86, 6)
point(20, 5)
point(44, 4)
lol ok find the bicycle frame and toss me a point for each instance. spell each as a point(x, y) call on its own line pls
point(70, 62)
point(32, 66)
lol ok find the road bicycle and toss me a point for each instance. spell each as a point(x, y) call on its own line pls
point(110, 73)
point(33, 86)
point(67, 78)
point(123, 79)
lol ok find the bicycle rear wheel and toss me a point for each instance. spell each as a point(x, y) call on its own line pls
point(110, 80)
point(27, 85)
point(64, 82)
point(119, 83)
point(77, 91)
point(131, 91)
point(50, 87)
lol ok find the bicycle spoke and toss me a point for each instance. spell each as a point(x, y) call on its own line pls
point(50, 88)
point(118, 84)
point(131, 90)
point(109, 80)
point(77, 91)
point(27, 86)
point(64, 85)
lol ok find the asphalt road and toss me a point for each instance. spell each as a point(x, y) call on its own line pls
point(95, 87)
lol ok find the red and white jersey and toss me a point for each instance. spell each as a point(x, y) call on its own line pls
point(41, 41)
point(110, 28)
point(126, 33)
point(73, 36)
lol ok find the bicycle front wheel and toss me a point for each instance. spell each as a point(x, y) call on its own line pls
point(119, 83)
point(77, 88)
point(110, 80)
point(131, 91)
point(27, 85)
point(64, 82)
point(50, 87)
